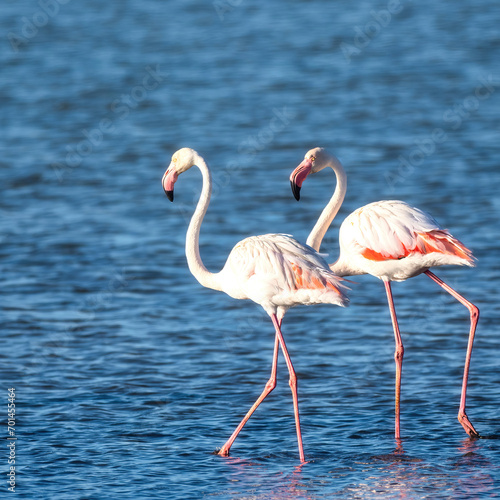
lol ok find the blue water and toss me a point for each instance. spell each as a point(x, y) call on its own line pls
point(127, 373)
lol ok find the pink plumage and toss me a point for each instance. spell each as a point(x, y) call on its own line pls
point(392, 241)
point(273, 270)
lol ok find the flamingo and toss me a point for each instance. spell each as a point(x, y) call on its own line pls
point(273, 270)
point(393, 242)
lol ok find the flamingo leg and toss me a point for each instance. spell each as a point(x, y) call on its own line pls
point(292, 382)
point(474, 317)
point(270, 385)
point(398, 355)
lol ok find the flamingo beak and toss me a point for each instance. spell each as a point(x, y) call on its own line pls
point(298, 176)
point(168, 181)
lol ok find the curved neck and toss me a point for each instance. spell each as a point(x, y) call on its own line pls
point(330, 211)
point(196, 266)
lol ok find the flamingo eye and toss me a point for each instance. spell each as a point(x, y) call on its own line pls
point(312, 158)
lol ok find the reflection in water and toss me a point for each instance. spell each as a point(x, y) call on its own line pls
point(400, 475)
point(396, 474)
point(474, 481)
point(251, 475)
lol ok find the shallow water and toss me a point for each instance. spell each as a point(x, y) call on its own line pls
point(127, 373)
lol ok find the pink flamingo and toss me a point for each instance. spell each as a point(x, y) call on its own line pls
point(393, 242)
point(273, 270)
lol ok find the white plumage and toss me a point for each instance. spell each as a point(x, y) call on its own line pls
point(273, 270)
point(278, 272)
point(392, 241)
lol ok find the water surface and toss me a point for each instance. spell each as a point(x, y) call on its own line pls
point(127, 373)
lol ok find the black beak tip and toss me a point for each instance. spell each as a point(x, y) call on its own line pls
point(295, 190)
point(170, 195)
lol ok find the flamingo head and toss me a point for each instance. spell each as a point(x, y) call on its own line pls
point(182, 160)
point(314, 160)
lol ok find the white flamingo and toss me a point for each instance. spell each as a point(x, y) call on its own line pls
point(393, 242)
point(273, 270)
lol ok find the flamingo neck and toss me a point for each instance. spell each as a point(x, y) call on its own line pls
point(330, 211)
point(196, 266)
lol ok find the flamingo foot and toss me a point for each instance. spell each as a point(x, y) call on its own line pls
point(469, 428)
point(223, 452)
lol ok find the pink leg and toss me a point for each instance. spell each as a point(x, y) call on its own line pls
point(474, 317)
point(271, 384)
point(293, 384)
point(398, 354)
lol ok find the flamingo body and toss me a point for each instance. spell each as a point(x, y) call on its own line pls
point(273, 270)
point(394, 241)
point(278, 272)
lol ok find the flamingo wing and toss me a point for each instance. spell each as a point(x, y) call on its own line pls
point(277, 269)
point(393, 230)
